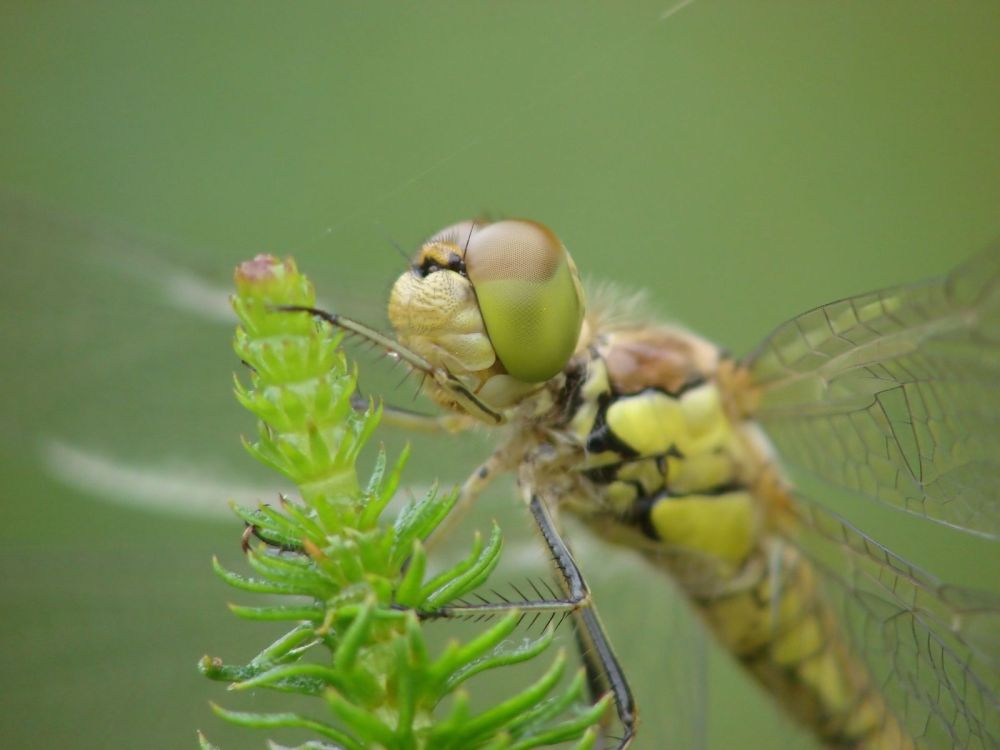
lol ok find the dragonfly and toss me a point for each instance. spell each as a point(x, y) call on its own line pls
point(658, 440)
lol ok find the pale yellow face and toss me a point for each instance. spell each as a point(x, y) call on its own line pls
point(491, 300)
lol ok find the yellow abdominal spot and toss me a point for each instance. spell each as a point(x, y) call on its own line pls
point(686, 475)
point(653, 422)
point(721, 526)
point(741, 623)
point(864, 717)
point(803, 640)
point(649, 422)
point(823, 673)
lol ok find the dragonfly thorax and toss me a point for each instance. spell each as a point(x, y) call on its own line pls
point(659, 453)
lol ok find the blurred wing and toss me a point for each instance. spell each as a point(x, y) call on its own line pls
point(934, 649)
point(896, 395)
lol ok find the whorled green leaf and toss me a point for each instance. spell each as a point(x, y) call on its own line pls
point(351, 583)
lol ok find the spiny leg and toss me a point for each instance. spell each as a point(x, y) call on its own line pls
point(604, 673)
point(442, 378)
point(597, 682)
point(596, 686)
point(603, 670)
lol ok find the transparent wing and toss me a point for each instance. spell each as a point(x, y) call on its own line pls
point(95, 307)
point(896, 395)
point(933, 648)
point(100, 309)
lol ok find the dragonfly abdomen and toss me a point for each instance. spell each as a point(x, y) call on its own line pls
point(783, 630)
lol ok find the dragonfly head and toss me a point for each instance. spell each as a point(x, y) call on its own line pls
point(500, 303)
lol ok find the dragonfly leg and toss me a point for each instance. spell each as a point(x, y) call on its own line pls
point(471, 489)
point(604, 673)
point(415, 421)
point(441, 377)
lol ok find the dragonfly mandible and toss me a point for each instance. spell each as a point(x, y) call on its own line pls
point(658, 440)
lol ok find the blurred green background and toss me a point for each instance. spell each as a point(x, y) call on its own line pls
point(741, 161)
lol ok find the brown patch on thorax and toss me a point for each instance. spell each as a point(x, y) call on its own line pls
point(657, 358)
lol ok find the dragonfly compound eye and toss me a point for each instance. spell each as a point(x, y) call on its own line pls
point(529, 295)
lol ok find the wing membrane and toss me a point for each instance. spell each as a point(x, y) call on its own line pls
point(931, 647)
point(896, 395)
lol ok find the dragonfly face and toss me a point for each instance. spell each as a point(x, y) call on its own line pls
point(499, 303)
point(652, 436)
